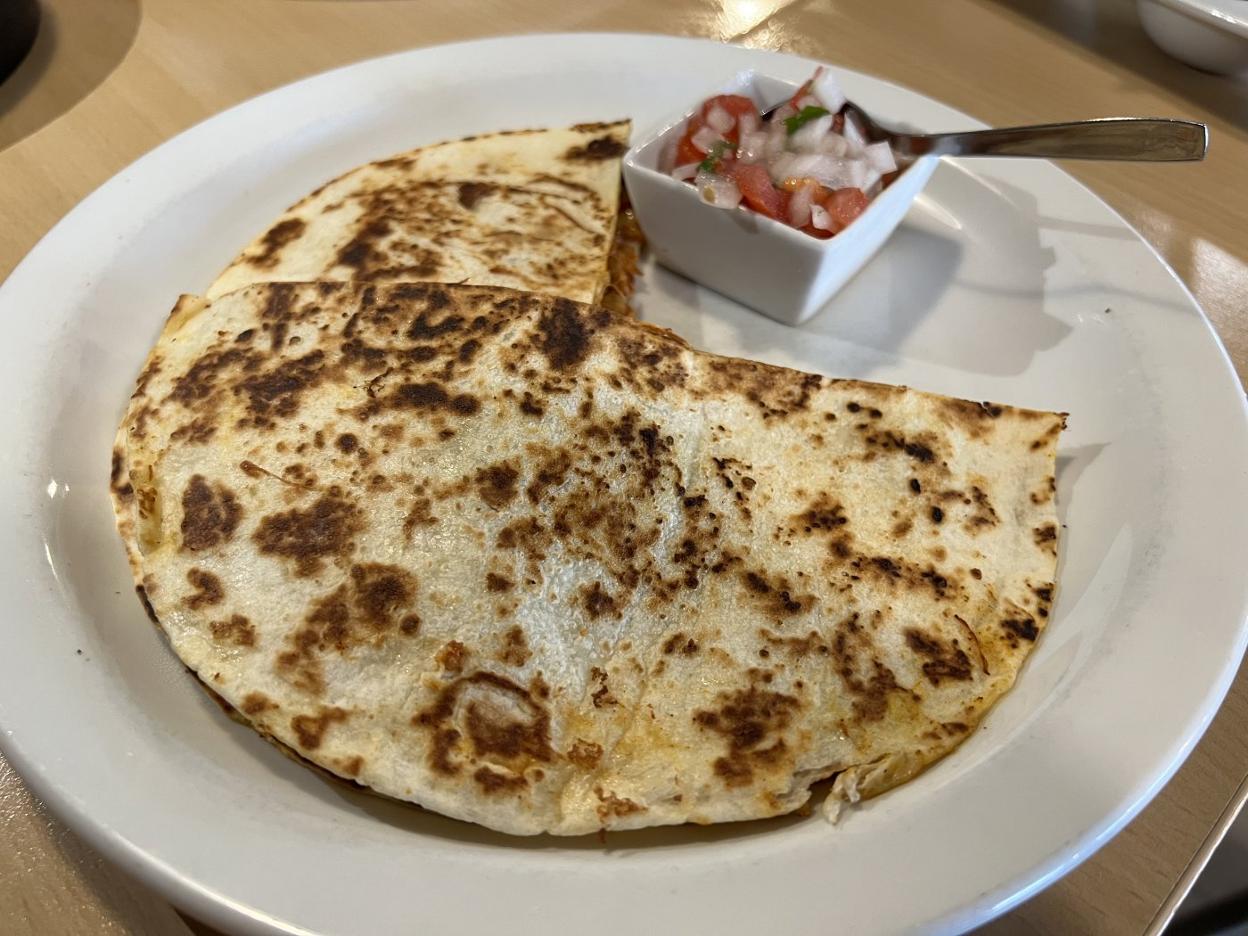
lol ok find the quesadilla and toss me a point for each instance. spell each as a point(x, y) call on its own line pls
point(540, 566)
point(537, 210)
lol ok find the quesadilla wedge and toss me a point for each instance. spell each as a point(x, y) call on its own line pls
point(537, 210)
point(540, 566)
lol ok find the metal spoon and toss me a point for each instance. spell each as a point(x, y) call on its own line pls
point(1140, 139)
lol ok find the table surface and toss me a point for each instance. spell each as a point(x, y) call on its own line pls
point(110, 79)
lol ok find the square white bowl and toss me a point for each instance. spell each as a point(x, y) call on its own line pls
point(772, 268)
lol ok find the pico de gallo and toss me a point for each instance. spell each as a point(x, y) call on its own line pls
point(808, 165)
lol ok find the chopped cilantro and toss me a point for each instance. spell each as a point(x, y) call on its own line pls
point(803, 117)
point(713, 155)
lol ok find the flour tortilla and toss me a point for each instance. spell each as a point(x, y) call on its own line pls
point(545, 568)
point(532, 209)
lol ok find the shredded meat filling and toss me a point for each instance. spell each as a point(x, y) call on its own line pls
point(623, 262)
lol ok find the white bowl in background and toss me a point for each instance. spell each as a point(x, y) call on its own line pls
point(1211, 35)
point(762, 263)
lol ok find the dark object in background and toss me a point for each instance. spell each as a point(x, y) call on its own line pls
point(19, 21)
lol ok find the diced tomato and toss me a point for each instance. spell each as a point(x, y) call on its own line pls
point(889, 178)
point(806, 88)
point(816, 232)
point(737, 106)
point(782, 208)
point(801, 92)
point(758, 192)
point(844, 205)
point(838, 123)
point(687, 153)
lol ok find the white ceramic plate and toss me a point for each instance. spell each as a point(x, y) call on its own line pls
point(1008, 281)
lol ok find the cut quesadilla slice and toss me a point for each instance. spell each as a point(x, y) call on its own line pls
point(537, 210)
point(539, 566)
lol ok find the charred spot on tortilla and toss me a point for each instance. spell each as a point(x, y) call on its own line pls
point(308, 536)
point(275, 239)
point(604, 147)
point(210, 514)
point(208, 589)
point(472, 192)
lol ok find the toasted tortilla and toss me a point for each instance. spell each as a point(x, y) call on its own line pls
point(540, 566)
point(534, 209)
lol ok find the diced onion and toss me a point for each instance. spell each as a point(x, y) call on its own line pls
point(777, 139)
point(858, 171)
point(799, 205)
point(833, 144)
point(719, 119)
point(704, 139)
point(808, 100)
point(778, 167)
point(854, 135)
point(880, 157)
point(806, 138)
point(686, 172)
point(717, 190)
point(811, 164)
point(783, 113)
point(827, 170)
point(749, 123)
point(752, 148)
point(828, 91)
point(820, 218)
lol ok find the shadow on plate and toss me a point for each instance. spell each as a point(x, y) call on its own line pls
point(898, 301)
point(1026, 206)
point(994, 319)
point(1071, 464)
point(886, 303)
point(74, 52)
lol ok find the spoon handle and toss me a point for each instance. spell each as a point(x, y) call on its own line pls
point(1131, 138)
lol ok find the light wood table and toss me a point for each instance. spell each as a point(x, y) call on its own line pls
point(111, 79)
